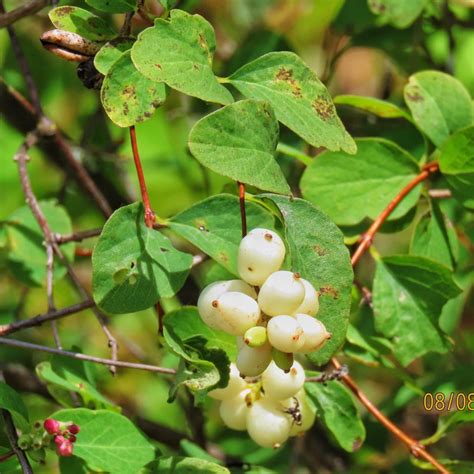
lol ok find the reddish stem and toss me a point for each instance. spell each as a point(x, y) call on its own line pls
point(243, 214)
point(367, 238)
point(82, 252)
point(149, 214)
point(6, 456)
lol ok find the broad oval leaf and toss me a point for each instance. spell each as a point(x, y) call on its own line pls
point(185, 465)
point(456, 162)
point(317, 251)
point(25, 243)
point(350, 188)
point(375, 106)
point(408, 295)
point(113, 6)
point(82, 22)
point(134, 266)
point(111, 52)
point(214, 226)
point(106, 440)
point(11, 401)
point(127, 95)
point(399, 13)
point(239, 141)
point(338, 413)
point(299, 98)
point(439, 103)
point(179, 52)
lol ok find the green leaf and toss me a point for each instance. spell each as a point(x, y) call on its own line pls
point(214, 226)
point(83, 22)
point(134, 266)
point(107, 439)
point(350, 188)
point(399, 13)
point(27, 253)
point(202, 366)
point(451, 420)
point(239, 141)
point(111, 52)
point(317, 251)
point(129, 97)
point(72, 375)
point(375, 106)
point(179, 52)
point(439, 103)
point(338, 413)
point(183, 465)
point(72, 465)
point(456, 162)
point(186, 324)
point(299, 98)
point(11, 401)
point(453, 466)
point(114, 6)
point(433, 238)
point(408, 295)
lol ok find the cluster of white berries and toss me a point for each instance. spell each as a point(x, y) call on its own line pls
point(271, 311)
point(272, 322)
point(271, 409)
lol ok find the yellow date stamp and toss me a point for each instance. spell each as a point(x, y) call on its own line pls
point(440, 401)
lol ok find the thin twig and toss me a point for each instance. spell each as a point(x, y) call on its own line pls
point(6, 456)
point(149, 214)
point(29, 8)
point(77, 236)
point(243, 215)
point(13, 440)
point(88, 358)
point(367, 238)
point(22, 158)
point(45, 317)
point(336, 374)
point(50, 290)
point(415, 447)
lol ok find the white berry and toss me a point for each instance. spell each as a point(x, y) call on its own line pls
point(310, 304)
point(279, 385)
point(207, 311)
point(267, 423)
point(261, 252)
point(282, 293)
point(252, 361)
point(234, 410)
point(237, 312)
point(315, 333)
point(285, 334)
point(236, 384)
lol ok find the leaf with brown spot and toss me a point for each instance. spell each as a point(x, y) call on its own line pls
point(299, 98)
point(129, 97)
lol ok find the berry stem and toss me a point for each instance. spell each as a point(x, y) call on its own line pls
point(149, 214)
point(243, 214)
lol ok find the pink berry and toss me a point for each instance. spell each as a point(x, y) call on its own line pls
point(73, 429)
point(51, 426)
point(65, 448)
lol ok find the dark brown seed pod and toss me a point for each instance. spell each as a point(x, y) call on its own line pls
point(69, 46)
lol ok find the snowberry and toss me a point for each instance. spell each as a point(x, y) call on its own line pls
point(252, 361)
point(255, 336)
point(207, 311)
point(282, 293)
point(261, 252)
point(52, 426)
point(315, 333)
point(285, 334)
point(267, 423)
point(236, 384)
point(237, 312)
point(307, 412)
point(279, 385)
point(234, 410)
point(310, 304)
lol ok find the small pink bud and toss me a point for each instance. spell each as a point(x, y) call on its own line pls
point(51, 426)
point(59, 439)
point(65, 448)
point(72, 438)
point(73, 429)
